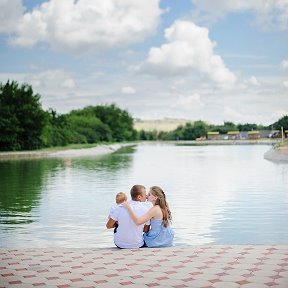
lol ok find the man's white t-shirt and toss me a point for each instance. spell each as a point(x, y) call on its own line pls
point(112, 209)
point(129, 235)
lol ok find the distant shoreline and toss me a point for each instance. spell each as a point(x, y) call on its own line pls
point(279, 154)
point(94, 151)
point(227, 142)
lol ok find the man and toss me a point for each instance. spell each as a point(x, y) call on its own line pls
point(128, 234)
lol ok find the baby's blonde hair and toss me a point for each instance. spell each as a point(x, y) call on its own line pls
point(120, 197)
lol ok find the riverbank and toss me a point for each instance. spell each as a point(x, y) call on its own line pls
point(93, 151)
point(278, 153)
point(222, 266)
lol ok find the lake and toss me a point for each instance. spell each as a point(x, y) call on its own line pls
point(218, 194)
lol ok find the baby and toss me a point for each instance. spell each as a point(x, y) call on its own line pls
point(120, 198)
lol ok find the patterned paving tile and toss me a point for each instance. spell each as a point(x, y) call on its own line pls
point(241, 266)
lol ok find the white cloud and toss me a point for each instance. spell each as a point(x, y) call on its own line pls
point(68, 83)
point(285, 84)
point(56, 88)
point(253, 81)
point(232, 112)
point(10, 13)
point(128, 90)
point(281, 113)
point(269, 13)
point(78, 26)
point(188, 49)
point(284, 64)
point(51, 80)
point(186, 102)
point(158, 99)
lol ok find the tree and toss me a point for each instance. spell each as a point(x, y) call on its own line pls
point(89, 126)
point(200, 129)
point(197, 129)
point(176, 134)
point(189, 132)
point(282, 122)
point(21, 117)
point(148, 135)
point(247, 127)
point(58, 132)
point(119, 121)
point(223, 129)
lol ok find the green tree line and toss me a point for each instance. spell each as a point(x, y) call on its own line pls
point(24, 125)
point(198, 129)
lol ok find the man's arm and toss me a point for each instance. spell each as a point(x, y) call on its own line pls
point(110, 223)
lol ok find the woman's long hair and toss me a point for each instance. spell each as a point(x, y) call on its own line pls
point(161, 201)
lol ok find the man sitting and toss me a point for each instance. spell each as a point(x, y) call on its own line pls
point(128, 234)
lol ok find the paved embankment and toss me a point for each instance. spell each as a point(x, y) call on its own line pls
point(229, 266)
point(279, 154)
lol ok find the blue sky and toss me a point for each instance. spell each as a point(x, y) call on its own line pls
point(211, 60)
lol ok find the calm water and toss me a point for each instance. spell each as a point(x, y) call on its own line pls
point(217, 194)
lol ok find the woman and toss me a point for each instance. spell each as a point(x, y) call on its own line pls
point(160, 233)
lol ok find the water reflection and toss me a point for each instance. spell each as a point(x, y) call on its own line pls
point(60, 202)
point(21, 187)
point(217, 194)
point(108, 163)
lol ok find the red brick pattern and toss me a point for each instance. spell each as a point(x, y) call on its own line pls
point(240, 266)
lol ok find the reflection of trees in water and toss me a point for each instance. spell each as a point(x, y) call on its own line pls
point(22, 182)
point(111, 162)
point(21, 186)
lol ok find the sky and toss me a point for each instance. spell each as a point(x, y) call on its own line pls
point(210, 60)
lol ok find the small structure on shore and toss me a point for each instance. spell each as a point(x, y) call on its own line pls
point(253, 135)
point(213, 136)
point(233, 135)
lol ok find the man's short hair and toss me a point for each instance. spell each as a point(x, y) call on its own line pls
point(136, 190)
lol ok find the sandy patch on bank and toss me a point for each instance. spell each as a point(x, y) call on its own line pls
point(98, 150)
